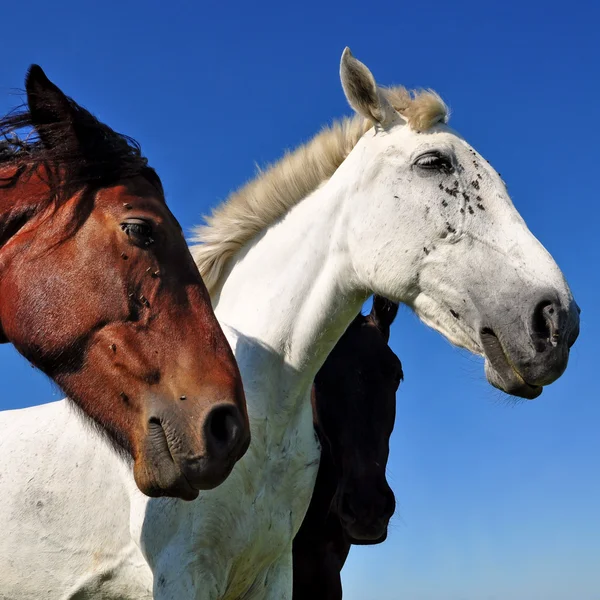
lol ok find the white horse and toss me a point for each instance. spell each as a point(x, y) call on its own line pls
point(391, 201)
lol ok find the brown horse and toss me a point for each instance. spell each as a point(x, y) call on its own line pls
point(354, 407)
point(99, 291)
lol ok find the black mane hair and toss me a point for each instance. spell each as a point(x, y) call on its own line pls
point(53, 131)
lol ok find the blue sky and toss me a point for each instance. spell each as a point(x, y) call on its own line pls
point(495, 501)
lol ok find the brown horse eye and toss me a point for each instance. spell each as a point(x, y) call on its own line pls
point(138, 231)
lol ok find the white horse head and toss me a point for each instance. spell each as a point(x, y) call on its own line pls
point(430, 223)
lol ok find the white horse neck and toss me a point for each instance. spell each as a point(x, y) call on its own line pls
point(292, 292)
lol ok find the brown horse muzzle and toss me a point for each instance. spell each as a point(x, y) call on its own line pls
point(183, 454)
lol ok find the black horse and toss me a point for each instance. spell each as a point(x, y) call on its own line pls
point(354, 408)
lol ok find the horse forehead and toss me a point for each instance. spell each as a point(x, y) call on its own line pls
point(407, 141)
point(460, 145)
point(131, 196)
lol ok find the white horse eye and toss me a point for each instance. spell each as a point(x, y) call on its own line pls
point(434, 160)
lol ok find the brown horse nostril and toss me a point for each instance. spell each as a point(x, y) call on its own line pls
point(223, 429)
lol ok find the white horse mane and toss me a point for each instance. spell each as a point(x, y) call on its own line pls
point(270, 195)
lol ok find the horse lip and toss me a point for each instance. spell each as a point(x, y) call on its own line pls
point(500, 362)
point(184, 488)
point(366, 537)
point(367, 542)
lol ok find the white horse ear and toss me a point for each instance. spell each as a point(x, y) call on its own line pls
point(362, 92)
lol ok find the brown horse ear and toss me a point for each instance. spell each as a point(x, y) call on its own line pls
point(383, 313)
point(51, 111)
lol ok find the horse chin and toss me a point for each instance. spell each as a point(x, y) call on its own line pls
point(364, 532)
point(164, 483)
point(365, 536)
point(501, 373)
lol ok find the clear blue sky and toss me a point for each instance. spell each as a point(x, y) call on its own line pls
point(495, 501)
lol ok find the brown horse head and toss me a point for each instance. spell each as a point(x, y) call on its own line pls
point(99, 291)
point(354, 404)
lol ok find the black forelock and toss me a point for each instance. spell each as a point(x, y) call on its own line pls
point(89, 152)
